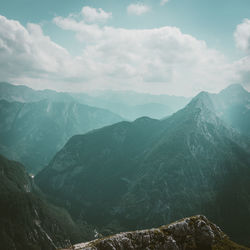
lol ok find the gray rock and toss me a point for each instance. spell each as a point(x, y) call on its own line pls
point(190, 233)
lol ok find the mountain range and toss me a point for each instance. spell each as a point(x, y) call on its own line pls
point(132, 105)
point(150, 172)
point(101, 175)
point(35, 124)
point(33, 132)
point(24, 94)
point(127, 104)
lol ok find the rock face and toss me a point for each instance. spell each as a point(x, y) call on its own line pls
point(194, 233)
point(146, 173)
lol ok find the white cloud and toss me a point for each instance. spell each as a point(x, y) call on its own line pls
point(242, 70)
point(138, 9)
point(160, 60)
point(27, 51)
point(242, 36)
point(163, 2)
point(95, 15)
point(154, 60)
point(242, 41)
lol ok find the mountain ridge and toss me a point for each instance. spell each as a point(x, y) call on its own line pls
point(127, 104)
point(33, 132)
point(150, 172)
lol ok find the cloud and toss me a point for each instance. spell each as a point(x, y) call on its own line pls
point(95, 15)
point(163, 2)
point(27, 51)
point(138, 9)
point(242, 36)
point(153, 60)
point(242, 41)
point(160, 60)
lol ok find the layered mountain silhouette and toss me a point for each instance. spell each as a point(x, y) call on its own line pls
point(35, 124)
point(132, 105)
point(150, 172)
point(33, 132)
point(27, 220)
point(128, 104)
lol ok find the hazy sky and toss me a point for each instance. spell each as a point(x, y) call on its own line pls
point(177, 47)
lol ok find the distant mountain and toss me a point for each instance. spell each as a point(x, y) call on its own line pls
point(150, 172)
point(33, 132)
point(27, 220)
point(194, 233)
point(127, 104)
point(233, 106)
point(21, 93)
point(153, 110)
point(132, 105)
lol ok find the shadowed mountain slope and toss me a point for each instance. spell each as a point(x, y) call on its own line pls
point(33, 132)
point(149, 172)
point(27, 220)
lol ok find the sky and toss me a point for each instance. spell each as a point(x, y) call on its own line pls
point(176, 47)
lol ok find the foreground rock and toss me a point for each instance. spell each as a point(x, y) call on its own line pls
point(190, 233)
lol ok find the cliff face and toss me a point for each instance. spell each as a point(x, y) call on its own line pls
point(190, 233)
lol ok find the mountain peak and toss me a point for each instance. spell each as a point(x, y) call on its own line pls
point(202, 101)
point(234, 94)
point(201, 109)
point(234, 88)
point(143, 119)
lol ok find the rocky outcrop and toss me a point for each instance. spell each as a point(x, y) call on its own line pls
point(190, 233)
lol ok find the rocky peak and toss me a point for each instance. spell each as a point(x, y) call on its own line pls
point(190, 233)
point(202, 101)
point(201, 110)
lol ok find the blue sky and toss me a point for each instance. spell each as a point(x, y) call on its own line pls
point(214, 22)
